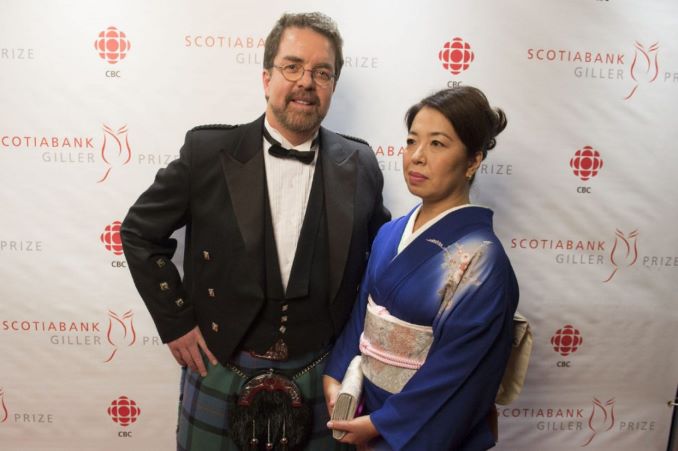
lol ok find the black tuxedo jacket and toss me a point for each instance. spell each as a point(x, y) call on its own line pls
point(216, 189)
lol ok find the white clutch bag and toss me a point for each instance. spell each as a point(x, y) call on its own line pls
point(349, 395)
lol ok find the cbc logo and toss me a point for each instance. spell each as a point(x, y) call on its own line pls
point(456, 56)
point(112, 45)
point(585, 164)
point(111, 238)
point(566, 341)
point(112, 242)
point(113, 74)
point(124, 411)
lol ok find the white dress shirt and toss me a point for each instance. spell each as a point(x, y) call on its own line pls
point(289, 186)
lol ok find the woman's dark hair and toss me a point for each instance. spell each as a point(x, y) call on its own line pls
point(477, 124)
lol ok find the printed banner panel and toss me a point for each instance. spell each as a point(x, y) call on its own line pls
point(98, 97)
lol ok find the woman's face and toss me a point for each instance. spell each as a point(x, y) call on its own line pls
point(435, 160)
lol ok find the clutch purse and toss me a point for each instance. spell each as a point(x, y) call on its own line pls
point(349, 395)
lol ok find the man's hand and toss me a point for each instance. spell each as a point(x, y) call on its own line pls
point(186, 351)
point(331, 388)
point(358, 431)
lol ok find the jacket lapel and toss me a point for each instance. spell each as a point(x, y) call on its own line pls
point(243, 165)
point(339, 178)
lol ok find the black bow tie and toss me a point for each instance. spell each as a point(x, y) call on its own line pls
point(277, 150)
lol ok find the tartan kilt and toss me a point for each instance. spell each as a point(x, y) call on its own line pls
point(204, 405)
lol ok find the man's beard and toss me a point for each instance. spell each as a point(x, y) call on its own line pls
point(297, 121)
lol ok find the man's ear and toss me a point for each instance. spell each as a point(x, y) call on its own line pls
point(266, 80)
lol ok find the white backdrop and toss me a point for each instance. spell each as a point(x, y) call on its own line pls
point(590, 230)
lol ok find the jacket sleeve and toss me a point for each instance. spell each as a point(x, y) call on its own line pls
point(380, 214)
point(163, 208)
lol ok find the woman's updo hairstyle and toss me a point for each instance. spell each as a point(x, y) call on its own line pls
point(476, 123)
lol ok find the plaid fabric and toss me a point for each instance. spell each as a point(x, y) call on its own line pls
point(204, 406)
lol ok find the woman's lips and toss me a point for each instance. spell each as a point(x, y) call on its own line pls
point(416, 178)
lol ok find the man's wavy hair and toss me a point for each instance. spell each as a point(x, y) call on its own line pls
point(316, 21)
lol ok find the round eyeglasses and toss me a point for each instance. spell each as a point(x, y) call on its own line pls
point(294, 72)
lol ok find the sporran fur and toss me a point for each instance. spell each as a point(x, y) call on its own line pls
point(270, 414)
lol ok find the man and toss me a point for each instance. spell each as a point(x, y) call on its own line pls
point(276, 243)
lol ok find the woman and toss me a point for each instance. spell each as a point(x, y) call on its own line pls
point(440, 266)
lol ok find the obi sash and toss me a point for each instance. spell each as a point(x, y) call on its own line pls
point(393, 350)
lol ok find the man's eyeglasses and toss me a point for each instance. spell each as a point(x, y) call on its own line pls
point(294, 72)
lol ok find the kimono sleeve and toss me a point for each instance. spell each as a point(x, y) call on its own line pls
point(452, 393)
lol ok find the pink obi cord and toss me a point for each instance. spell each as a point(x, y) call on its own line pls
point(387, 357)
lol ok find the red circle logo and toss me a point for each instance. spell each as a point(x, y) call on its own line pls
point(124, 411)
point(112, 45)
point(111, 238)
point(456, 56)
point(586, 163)
point(566, 340)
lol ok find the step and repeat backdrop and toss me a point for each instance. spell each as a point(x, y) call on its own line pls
point(96, 96)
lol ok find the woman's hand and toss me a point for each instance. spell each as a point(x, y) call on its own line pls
point(358, 431)
point(331, 388)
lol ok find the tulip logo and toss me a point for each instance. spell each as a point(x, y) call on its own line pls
point(456, 56)
point(124, 411)
point(112, 45)
point(601, 419)
point(115, 150)
point(586, 163)
point(567, 340)
point(3, 409)
point(111, 238)
point(120, 331)
point(624, 253)
point(644, 67)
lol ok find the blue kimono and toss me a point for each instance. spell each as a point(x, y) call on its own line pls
point(459, 263)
